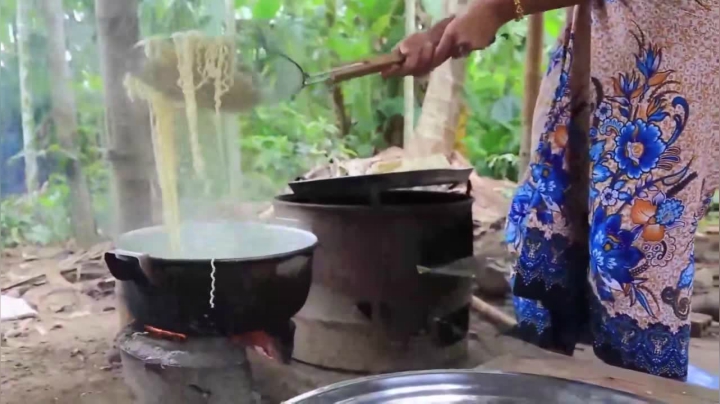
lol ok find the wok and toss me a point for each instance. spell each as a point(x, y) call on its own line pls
point(262, 276)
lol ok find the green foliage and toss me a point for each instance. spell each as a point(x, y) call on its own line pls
point(36, 219)
point(281, 142)
point(493, 92)
point(278, 142)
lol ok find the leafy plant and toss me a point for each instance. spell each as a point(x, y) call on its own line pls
point(40, 218)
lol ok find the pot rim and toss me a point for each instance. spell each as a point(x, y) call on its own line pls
point(164, 259)
point(461, 201)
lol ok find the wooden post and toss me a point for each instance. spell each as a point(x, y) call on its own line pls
point(441, 111)
point(409, 82)
point(533, 60)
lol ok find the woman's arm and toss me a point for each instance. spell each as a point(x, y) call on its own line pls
point(473, 30)
point(477, 27)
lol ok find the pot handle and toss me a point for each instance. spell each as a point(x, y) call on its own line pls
point(462, 268)
point(128, 266)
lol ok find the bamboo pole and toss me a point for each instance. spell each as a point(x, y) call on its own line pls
point(409, 82)
point(533, 60)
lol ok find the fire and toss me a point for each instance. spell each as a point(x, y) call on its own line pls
point(162, 334)
point(260, 341)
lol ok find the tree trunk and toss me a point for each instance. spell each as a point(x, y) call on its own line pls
point(442, 107)
point(65, 120)
point(129, 149)
point(533, 60)
point(26, 101)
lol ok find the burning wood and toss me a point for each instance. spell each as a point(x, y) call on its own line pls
point(260, 341)
point(263, 343)
point(162, 334)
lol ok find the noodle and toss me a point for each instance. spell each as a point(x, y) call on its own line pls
point(200, 61)
point(185, 50)
point(163, 128)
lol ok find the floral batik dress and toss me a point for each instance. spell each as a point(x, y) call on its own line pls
point(627, 129)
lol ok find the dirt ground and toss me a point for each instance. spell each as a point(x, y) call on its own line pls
point(61, 356)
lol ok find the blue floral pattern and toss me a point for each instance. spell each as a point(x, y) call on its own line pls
point(637, 206)
point(531, 313)
point(621, 341)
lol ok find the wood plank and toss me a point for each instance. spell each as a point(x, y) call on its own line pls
point(600, 374)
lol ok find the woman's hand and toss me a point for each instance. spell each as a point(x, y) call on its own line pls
point(453, 37)
point(418, 50)
point(474, 30)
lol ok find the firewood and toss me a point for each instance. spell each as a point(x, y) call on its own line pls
point(492, 313)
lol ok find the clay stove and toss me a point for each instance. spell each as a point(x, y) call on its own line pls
point(369, 309)
point(198, 370)
point(165, 367)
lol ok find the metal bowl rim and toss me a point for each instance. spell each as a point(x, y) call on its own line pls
point(317, 393)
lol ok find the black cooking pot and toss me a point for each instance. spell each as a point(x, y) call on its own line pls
point(262, 276)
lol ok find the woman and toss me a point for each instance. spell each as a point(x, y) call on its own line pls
point(628, 140)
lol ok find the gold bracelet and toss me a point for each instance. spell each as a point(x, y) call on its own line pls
point(519, 12)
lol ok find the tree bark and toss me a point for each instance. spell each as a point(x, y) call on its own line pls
point(129, 148)
point(533, 60)
point(441, 111)
point(26, 101)
point(64, 117)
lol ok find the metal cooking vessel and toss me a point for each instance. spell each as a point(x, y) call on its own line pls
point(370, 185)
point(262, 276)
point(463, 387)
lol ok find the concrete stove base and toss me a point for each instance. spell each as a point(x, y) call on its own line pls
point(196, 371)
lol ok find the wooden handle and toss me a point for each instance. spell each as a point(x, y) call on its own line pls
point(492, 313)
point(365, 67)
